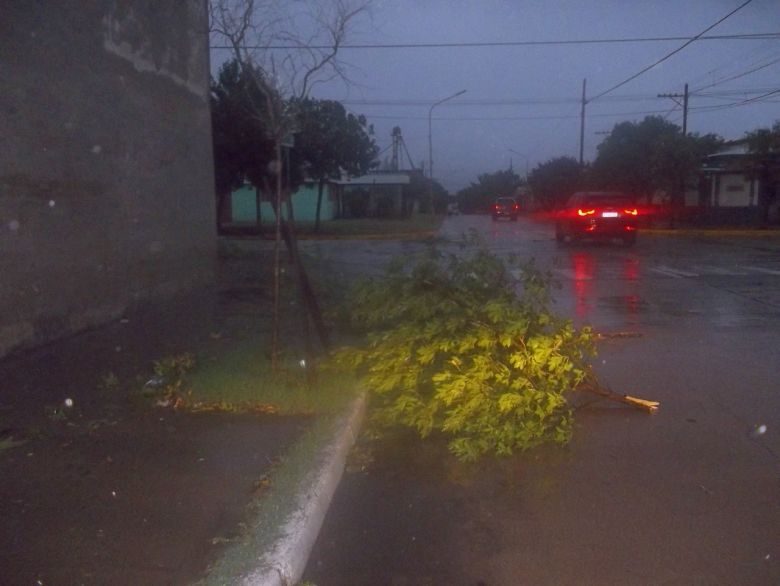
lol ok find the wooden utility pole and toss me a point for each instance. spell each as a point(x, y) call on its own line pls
point(684, 106)
point(680, 197)
point(582, 122)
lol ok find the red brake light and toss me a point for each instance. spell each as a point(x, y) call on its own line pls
point(581, 212)
point(631, 211)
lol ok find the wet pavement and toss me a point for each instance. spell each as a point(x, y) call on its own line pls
point(690, 495)
point(110, 489)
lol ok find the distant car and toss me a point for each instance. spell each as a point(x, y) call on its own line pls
point(453, 209)
point(598, 214)
point(505, 207)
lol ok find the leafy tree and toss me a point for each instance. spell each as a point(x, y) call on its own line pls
point(764, 164)
point(479, 196)
point(247, 26)
point(651, 155)
point(243, 148)
point(451, 347)
point(554, 181)
point(329, 139)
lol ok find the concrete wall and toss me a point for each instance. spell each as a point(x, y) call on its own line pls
point(106, 175)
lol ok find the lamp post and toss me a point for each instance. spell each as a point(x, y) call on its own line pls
point(430, 142)
point(525, 158)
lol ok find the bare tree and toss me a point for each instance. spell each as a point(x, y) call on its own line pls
point(285, 48)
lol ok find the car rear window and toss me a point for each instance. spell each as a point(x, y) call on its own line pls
point(603, 199)
point(505, 201)
point(609, 201)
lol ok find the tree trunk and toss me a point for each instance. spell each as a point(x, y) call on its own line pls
point(309, 297)
point(223, 209)
point(320, 187)
point(277, 269)
point(258, 215)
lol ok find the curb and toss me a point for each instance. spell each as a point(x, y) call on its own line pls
point(286, 560)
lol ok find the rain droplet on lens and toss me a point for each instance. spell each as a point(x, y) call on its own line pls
point(13, 225)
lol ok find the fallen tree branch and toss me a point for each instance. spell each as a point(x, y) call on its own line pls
point(596, 389)
point(610, 335)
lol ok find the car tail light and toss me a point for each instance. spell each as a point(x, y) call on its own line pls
point(581, 212)
point(515, 207)
point(631, 212)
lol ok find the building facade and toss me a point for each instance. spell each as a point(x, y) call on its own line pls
point(730, 193)
point(106, 169)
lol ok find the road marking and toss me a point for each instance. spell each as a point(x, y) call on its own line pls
point(711, 270)
point(670, 272)
point(762, 270)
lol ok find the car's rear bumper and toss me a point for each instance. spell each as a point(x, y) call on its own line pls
point(598, 228)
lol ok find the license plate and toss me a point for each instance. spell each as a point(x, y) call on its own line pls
point(609, 215)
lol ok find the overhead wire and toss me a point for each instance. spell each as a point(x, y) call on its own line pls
point(739, 103)
point(753, 54)
point(548, 101)
point(671, 54)
point(503, 118)
point(737, 76)
point(699, 37)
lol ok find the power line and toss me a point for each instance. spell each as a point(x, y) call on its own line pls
point(766, 49)
point(548, 101)
point(737, 76)
point(663, 112)
point(668, 55)
point(740, 103)
point(503, 118)
point(700, 37)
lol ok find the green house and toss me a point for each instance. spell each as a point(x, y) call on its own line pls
point(244, 205)
point(379, 195)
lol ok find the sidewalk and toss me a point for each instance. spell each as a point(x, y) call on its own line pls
point(98, 486)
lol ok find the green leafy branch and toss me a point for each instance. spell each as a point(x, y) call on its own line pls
point(454, 343)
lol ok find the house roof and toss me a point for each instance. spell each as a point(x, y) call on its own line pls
point(732, 149)
point(728, 158)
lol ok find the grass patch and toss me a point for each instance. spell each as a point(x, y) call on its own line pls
point(418, 226)
point(242, 377)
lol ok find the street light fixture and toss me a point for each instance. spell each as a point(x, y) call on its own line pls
point(430, 128)
point(525, 157)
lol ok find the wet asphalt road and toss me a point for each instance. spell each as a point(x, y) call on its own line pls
point(690, 495)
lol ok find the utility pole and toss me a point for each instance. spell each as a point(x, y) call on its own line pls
point(684, 106)
point(582, 122)
point(679, 198)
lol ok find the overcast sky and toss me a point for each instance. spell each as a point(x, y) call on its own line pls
point(527, 98)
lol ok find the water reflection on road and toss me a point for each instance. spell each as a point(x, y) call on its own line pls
point(622, 273)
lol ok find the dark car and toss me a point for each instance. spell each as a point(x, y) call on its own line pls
point(505, 207)
point(598, 214)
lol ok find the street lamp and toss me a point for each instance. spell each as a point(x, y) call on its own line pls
point(430, 129)
point(525, 157)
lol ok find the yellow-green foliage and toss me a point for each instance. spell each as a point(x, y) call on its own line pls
point(455, 343)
